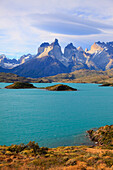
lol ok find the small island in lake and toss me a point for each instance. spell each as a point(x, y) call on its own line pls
point(20, 85)
point(57, 87)
point(60, 87)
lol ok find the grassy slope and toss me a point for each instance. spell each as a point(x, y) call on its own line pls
point(10, 78)
point(84, 76)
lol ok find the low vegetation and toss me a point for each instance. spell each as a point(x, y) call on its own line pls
point(78, 76)
point(83, 76)
point(11, 78)
point(60, 87)
point(103, 136)
point(31, 156)
point(20, 85)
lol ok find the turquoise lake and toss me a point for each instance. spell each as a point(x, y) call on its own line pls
point(53, 118)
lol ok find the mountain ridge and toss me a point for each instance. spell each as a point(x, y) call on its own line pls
point(50, 60)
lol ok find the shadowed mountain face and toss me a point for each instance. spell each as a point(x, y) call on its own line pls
point(47, 62)
point(40, 67)
point(51, 61)
point(4, 70)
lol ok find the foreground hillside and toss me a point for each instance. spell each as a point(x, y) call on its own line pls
point(31, 156)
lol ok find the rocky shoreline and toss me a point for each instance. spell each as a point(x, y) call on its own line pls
point(31, 156)
point(103, 136)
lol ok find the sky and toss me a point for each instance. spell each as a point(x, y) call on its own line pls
point(25, 24)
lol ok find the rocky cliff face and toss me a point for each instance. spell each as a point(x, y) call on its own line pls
point(56, 50)
point(69, 51)
point(25, 58)
point(53, 50)
point(40, 67)
point(42, 47)
point(76, 57)
point(102, 55)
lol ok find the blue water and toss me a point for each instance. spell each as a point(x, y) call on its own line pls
point(53, 118)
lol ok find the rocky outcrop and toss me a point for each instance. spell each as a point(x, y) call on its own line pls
point(69, 51)
point(20, 85)
point(86, 49)
point(56, 50)
point(60, 87)
point(95, 48)
point(102, 136)
point(80, 49)
point(53, 50)
point(101, 55)
point(42, 47)
point(25, 58)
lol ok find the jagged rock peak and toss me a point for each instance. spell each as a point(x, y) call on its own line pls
point(45, 44)
point(80, 49)
point(2, 56)
point(86, 49)
point(96, 46)
point(42, 47)
point(103, 44)
point(70, 46)
point(55, 42)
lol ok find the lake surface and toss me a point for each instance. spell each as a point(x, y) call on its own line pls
point(53, 118)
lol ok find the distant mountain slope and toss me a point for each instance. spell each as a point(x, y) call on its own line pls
point(4, 70)
point(40, 67)
point(102, 55)
point(11, 63)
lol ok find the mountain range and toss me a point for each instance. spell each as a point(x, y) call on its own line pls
point(50, 60)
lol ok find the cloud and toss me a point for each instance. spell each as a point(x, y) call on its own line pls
point(24, 24)
point(67, 28)
point(67, 24)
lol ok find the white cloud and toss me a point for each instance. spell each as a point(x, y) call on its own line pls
point(24, 24)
